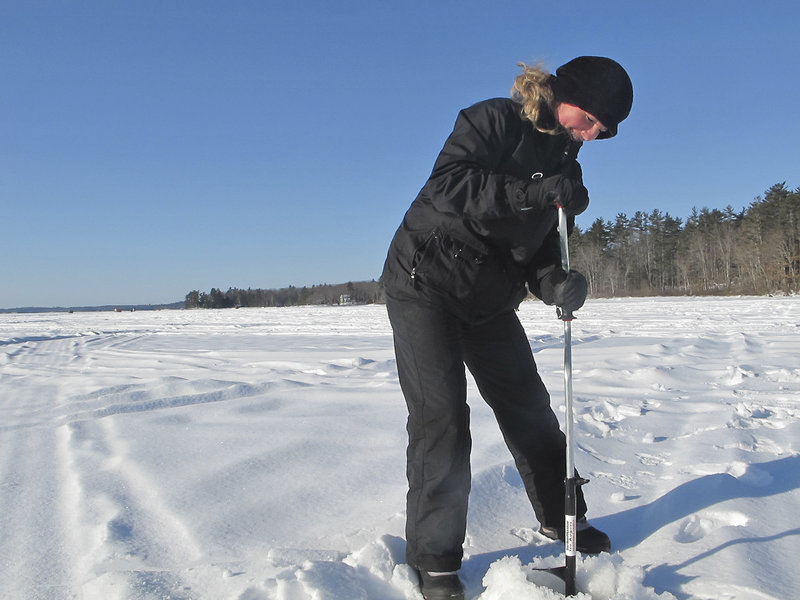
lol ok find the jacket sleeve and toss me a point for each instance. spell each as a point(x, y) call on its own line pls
point(464, 181)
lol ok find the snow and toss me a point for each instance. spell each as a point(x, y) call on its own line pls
point(258, 454)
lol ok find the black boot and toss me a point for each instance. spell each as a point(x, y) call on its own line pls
point(589, 539)
point(440, 586)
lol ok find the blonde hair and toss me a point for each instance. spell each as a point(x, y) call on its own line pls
point(532, 90)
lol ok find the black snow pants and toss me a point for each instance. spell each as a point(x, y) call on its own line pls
point(432, 347)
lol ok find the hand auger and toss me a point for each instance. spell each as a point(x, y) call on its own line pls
point(572, 482)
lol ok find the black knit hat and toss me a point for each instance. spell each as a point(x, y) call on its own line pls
point(598, 85)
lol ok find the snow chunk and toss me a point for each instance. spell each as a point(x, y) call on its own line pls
point(601, 577)
point(507, 579)
point(607, 577)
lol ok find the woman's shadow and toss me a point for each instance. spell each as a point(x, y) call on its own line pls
point(631, 527)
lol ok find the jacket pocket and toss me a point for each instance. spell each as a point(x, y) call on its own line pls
point(449, 265)
point(473, 280)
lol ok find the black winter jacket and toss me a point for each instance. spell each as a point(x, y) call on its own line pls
point(473, 235)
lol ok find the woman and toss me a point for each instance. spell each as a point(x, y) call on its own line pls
point(484, 224)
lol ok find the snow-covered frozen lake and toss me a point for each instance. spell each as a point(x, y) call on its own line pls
point(258, 454)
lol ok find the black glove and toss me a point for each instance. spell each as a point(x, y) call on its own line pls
point(565, 290)
point(557, 190)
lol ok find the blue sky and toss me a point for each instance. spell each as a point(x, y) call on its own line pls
point(150, 148)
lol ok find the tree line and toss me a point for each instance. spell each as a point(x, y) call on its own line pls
point(359, 292)
point(753, 251)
